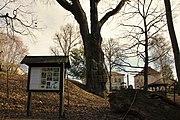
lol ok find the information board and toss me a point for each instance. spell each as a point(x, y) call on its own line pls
point(44, 78)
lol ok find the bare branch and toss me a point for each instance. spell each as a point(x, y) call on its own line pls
point(66, 39)
point(15, 22)
point(65, 4)
point(112, 12)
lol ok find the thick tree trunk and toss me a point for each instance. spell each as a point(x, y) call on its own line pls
point(173, 39)
point(96, 73)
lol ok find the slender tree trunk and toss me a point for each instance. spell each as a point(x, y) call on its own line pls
point(110, 81)
point(7, 83)
point(146, 57)
point(173, 40)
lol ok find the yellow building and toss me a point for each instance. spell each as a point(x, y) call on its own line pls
point(117, 81)
point(153, 76)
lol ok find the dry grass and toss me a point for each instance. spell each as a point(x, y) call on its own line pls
point(82, 104)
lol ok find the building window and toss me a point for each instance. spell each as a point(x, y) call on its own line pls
point(119, 80)
point(112, 80)
point(115, 80)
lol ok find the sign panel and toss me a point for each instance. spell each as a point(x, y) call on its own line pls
point(44, 78)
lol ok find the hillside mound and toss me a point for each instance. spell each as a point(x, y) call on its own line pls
point(79, 104)
point(144, 105)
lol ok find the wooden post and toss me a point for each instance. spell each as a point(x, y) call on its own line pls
point(29, 103)
point(62, 91)
point(127, 80)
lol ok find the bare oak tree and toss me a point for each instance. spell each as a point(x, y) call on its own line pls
point(167, 72)
point(96, 73)
point(148, 19)
point(66, 40)
point(78, 67)
point(113, 55)
point(160, 52)
point(13, 52)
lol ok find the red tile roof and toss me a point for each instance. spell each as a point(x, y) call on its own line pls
point(116, 74)
point(150, 72)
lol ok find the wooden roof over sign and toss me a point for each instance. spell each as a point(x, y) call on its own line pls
point(34, 60)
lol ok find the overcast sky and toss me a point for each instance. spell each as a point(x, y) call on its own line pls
point(50, 18)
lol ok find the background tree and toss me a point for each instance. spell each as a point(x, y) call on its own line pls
point(13, 52)
point(148, 19)
point(77, 69)
point(160, 52)
point(16, 18)
point(167, 72)
point(173, 39)
point(96, 74)
point(113, 56)
point(66, 40)
point(161, 55)
point(1, 44)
